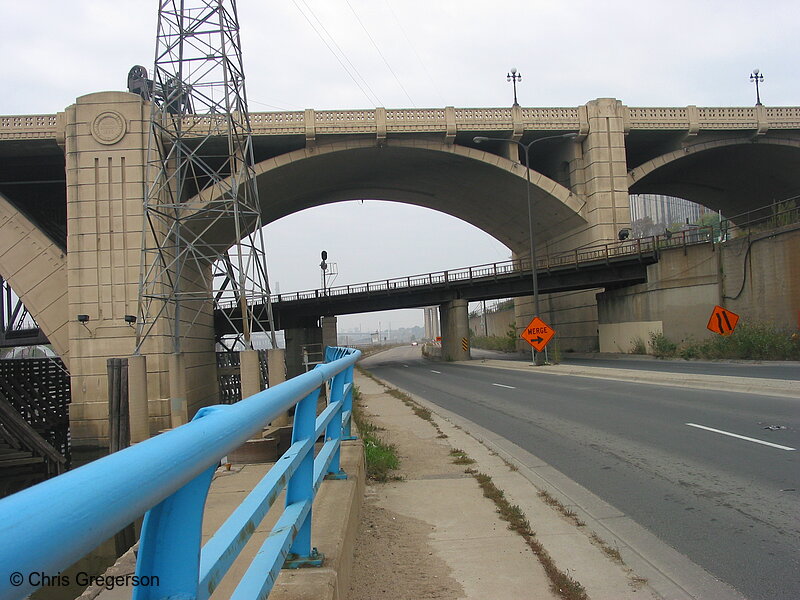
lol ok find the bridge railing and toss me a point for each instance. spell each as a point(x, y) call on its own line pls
point(577, 258)
point(47, 527)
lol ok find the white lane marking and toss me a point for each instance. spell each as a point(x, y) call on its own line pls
point(406, 366)
point(741, 437)
point(439, 372)
point(510, 387)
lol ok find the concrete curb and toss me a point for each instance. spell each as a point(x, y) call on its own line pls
point(728, 383)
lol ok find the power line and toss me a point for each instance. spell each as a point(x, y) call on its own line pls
point(342, 52)
point(282, 108)
point(397, 79)
point(432, 81)
point(374, 100)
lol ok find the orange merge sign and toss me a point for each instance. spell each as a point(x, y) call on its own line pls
point(722, 321)
point(537, 334)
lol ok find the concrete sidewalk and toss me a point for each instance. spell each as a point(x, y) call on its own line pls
point(483, 556)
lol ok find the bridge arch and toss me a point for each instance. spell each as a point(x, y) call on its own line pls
point(36, 268)
point(731, 174)
point(483, 189)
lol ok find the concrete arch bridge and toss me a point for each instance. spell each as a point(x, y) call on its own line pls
point(71, 191)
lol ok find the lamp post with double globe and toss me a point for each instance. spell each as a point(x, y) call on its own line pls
point(527, 150)
point(757, 77)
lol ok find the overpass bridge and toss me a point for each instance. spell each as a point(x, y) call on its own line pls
point(606, 266)
point(72, 186)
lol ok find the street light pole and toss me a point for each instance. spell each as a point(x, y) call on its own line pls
point(514, 77)
point(757, 77)
point(527, 148)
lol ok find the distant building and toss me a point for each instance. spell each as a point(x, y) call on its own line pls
point(651, 214)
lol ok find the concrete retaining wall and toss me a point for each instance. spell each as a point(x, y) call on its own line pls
point(756, 276)
point(761, 276)
point(496, 323)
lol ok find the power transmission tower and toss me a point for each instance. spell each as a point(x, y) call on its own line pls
point(202, 242)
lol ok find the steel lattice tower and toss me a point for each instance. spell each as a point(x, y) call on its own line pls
point(202, 241)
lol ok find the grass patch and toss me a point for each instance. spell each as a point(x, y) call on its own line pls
point(570, 514)
point(460, 457)
point(612, 553)
point(662, 346)
point(638, 346)
point(381, 458)
point(560, 583)
point(420, 411)
point(750, 341)
point(493, 342)
point(754, 341)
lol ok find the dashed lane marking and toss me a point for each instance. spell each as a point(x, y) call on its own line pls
point(741, 437)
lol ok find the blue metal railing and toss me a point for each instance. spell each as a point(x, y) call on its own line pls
point(46, 528)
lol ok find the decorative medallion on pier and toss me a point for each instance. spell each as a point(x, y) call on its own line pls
point(109, 127)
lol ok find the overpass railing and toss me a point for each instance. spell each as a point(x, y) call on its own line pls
point(47, 527)
point(578, 258)
point(766, 218)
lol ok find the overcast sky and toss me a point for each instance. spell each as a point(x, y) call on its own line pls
point(404, 54)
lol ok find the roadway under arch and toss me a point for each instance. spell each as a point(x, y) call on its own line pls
point(733, 174)
point(480, 188)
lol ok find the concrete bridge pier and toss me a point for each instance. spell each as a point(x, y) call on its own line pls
point(431, 323)
point(250, 370)
point(302, 333)
point(250, 373)
point(330, 333)
point(276, 371)
point(454, 318)
point(253, 382)
point(178, 407)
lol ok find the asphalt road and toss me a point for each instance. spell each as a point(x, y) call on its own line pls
point(730, 504)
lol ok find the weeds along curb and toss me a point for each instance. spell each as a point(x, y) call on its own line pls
point(560, 582)
point(380, 458)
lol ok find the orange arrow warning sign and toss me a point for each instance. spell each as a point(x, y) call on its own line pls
point(722, 321)
point(537, 334)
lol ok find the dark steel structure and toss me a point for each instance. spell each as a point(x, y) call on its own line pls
point(17, 326)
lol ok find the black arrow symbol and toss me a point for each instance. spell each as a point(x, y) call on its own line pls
point(719, 323)
point(537, 339)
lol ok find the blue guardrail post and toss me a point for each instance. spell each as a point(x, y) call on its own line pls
point(300, 488)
